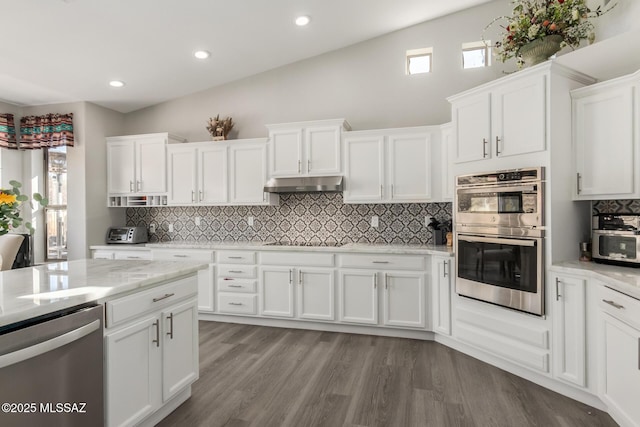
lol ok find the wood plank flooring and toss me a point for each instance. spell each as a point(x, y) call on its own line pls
point(261, 376)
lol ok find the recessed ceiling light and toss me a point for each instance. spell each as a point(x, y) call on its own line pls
point(116, 83)
point(202, 54)
point(301, 21)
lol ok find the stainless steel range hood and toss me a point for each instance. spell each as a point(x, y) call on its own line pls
point(304, 184)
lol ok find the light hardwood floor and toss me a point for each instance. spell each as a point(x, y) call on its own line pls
point(261, 376)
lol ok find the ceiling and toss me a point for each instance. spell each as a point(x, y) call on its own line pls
point(68, 50)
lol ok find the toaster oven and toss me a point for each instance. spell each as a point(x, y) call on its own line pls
point(127, 235)
point(616, 239)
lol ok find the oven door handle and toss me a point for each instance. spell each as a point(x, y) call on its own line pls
point(498, 189)
point(49, 345)
point(497, 240)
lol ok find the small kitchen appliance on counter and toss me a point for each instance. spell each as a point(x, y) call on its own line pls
point(127, 235)
point(616, 239)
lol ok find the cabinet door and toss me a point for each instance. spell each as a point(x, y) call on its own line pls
point(441, 294)
point(322, 146)
point(569, 329)
point(604, 145)
point(248, 174)
point(364, 178)
point(179, 348)
point(212, 175)
point(121, 173)
point(358, 297)
point(285, 156)
point(276, 291)
point(404, 299)
point(182, 175)
point(519, 117)
point(151, 165)
point(206, 287)
point(132, 372)
point(409, 167)
point(622, 364)
point(315, 294)
point(472, 128)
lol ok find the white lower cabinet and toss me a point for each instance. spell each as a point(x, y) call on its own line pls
point(359, 296)
point(237, 283)
point(276, 291)
point(569, 329)
point(404, 299)
point(441, 294)
point(316, 293)
point(150, 358)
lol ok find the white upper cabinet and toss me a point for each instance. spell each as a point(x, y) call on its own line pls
point(605, 138)
point(218, 173)
point(472, 123)
point(390, 165)
point(136, 164)
point(306, 148)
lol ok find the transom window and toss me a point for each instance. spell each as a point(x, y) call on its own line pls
point(419, 60)
point(476, 54)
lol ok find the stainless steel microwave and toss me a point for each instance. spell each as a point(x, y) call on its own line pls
point(127, 235)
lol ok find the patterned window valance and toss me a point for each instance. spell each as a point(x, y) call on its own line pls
point(50, 130)
point(7, 131)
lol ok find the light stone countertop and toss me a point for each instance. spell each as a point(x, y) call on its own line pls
point(26, 293)
point(441, 250)
point(623, 279)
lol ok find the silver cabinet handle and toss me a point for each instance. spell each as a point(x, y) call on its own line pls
point(181, 256)
point(444, 268)
point(290, 276)
point(578, 179)
point(300, 277)
point(132, 257)
point(375, 280)
point(299, 166)
point(200, 195)
point(308, 165)
point(484, 147)
point(170, 333)
point(49, 345)
point(235, 303)
point(613, 304)
point(157, 340)
point(380, 262)
point(139, 185)
point(638, 353)
point(131, 186)
point(381, 191)
point(557, 289)
point(236, 271)
point(497, 146)
point(386, 281)
point(165, 296)
point(392, 191)
point(193, 196)
point(235, 257)
point(235, 286)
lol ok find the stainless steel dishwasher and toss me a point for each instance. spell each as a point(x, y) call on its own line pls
point(51, 370)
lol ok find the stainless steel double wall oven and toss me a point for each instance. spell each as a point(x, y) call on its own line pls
point(500, 238)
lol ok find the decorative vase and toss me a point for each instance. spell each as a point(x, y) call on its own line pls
point(540, 50)
point(219, 138)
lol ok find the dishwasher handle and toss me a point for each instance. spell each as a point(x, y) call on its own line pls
point(49, 345)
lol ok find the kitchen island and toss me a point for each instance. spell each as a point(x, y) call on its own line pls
point(142, 339)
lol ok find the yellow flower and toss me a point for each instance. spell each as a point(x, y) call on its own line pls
point(7, 199)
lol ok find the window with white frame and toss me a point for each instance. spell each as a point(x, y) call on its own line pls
point(419, 61)
point(55, 161)
point(476, 54)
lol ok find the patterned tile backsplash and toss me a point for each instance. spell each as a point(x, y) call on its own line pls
point(631, 206)
point(300, 218)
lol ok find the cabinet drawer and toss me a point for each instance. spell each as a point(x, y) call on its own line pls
point(236, 257)
point(237, 304)
point(183, 255)
point(229, 284)
point(102, 254)
point(240, 271)
point(132, 255)
point(383, 261)
point(620, 306)
point(307, 259)
point(125, 308)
